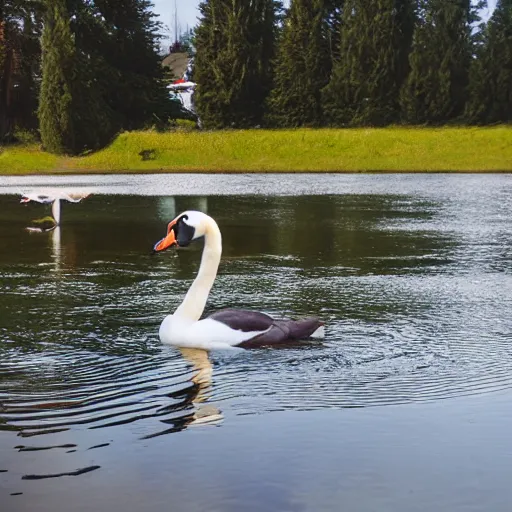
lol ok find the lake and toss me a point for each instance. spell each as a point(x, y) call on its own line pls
point(405, 406)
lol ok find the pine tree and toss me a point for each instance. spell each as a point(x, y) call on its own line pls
point(20, 28)
point(405, 19)
point(366, 80)
point(26, 96)
point(302, 67)
point(132, 72)
point(73, 114)
point(436, 89)
point(5, 70)
point(56, 102)
point(332, 23)
point(235, 48)
point(491, 70)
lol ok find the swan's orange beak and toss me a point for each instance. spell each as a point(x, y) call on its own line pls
point(168, 241)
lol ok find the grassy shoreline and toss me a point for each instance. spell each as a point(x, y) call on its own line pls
point(393, 149)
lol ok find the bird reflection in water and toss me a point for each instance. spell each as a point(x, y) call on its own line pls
point(204, 413)
point(194, 396)
point(56, 247)
point(54, 198)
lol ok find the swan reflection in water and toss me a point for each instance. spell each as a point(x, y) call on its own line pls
point(55, 237)
point(195, 396)
point(204, 413)
point(54, 198)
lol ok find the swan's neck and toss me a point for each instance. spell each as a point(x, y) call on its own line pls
point(193, 306)
point(56, 211)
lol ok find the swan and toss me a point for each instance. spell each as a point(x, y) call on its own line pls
point(54, 199)
point(229, 327)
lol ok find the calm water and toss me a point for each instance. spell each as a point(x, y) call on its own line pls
point(412, 274)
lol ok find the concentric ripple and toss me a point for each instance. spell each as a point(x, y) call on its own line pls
point(416, 292)
point(95, 392)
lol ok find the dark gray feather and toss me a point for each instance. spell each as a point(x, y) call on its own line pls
point(242, 320)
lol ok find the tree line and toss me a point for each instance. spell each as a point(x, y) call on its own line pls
point(78, 72)
point(353, 63)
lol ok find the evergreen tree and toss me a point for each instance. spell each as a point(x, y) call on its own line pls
point(5, 72)
point(332, 24)
point(73, 114)
point(365, 82)
point(491, 70)
point(101, 73)
point(56, 102)
point(302, 66)
point(234, 52)
point(20, 28)
point(435, 91)
point(405, 19)
point(132, 72)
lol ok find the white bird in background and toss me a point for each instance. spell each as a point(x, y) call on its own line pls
point(54, 198)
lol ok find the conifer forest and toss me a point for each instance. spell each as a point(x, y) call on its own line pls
point(79, 72)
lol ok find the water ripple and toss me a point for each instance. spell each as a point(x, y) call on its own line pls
point(416, 294)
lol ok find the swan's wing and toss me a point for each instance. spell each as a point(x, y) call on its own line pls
point(266, 330)
point(74, 197)
point(242, 320)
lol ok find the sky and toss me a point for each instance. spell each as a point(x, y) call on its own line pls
point(188, 13)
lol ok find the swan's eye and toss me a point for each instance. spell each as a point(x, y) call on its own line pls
point(184, 233)
point(175, 224)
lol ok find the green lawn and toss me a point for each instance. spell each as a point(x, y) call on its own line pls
point(336, 150)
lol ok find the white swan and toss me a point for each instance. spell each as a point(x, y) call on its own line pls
point(226, 328)
point(54, 199)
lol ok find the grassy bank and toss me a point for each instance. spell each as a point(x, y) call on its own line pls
point(344, 150)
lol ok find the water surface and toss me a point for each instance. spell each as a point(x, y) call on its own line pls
point(412, 275)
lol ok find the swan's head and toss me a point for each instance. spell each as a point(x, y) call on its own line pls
point(185, 228)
